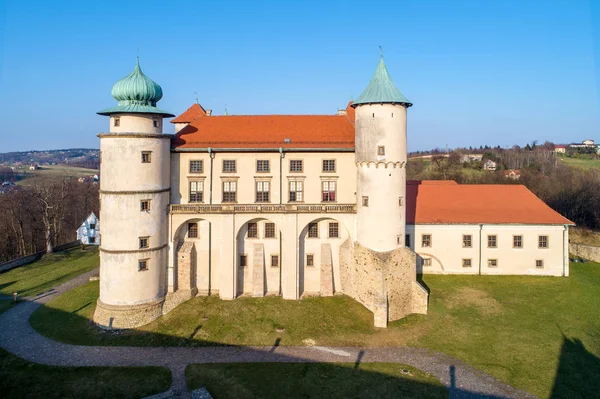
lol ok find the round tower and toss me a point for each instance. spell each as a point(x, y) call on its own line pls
point(134, 200)
point(380, 141)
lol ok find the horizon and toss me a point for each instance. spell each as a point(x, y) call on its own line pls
point(501, 73)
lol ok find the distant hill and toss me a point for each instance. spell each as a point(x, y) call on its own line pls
point(79, 157)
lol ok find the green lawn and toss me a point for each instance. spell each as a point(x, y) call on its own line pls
point(5, 304)
point(521, 329)
point(582, 163)
point(22, 379)
point(320, 380)
point(50, 271)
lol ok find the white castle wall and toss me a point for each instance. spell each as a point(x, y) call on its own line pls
point(136, 123)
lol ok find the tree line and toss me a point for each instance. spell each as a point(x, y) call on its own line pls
point(573, 192)
point(42, 214)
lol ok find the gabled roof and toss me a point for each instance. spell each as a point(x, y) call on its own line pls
point(381, 89)
point(447, 203)
point(268, 132)
point(193, 112)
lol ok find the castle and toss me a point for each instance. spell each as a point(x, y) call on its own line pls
point(294, 205)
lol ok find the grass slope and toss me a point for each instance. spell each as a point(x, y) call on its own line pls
point(22, 379)
point(582, 163)
point(50, 271)
point(528, 331)
point(321, 380)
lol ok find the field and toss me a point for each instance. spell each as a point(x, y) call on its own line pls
point(582, 163)
point(29, 176)
point(540, 334)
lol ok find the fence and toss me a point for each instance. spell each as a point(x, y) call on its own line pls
point(25, 260)
point(585, 251)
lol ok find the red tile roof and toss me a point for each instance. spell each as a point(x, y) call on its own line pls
point(268, 131)
point(447, 203)
point(190, 114)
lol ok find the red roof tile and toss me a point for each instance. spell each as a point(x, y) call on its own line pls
point(190, 114)
point(446, 203)
point(268, 131)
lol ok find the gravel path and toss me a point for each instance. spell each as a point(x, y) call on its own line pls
point(19, 338)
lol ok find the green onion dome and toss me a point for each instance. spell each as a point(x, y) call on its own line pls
point(136, 93)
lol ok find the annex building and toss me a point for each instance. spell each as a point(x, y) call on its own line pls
point(294, 205)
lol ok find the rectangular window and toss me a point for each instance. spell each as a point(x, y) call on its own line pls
point(329, 165)
point(229, 191)
point(296, 191)
point(146, 156)
point(539, 263)
point(296, 165)
point(262, 166)
point(517, 241)
point(196, 166)
point(192, 230)
point(142, 265)
point(229, 166)
point(380, 150)
point(144, 242)
point(274, 260)
point(492, 262)
point(92, 226)
point(407, 240)
point(262, 191)
point(426, 261)
point(243, 260)
point(269, 230)
point(92, 240)
point(328, 191)
point(543, 242)
point(117, 121)
point(313, 230)
point(196, 191)
point(400, 201)
point(467, 241)
point(426, 240)
point(334, 230)
point(144, 205)
point(155, 123)
point(310, 260)
point(492, 241)
point(365, 201)
point(466, 262)
point(253, 230)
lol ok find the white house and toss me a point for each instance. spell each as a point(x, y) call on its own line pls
point(489, 165)
point(89, 231)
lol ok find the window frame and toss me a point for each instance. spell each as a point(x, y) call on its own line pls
point(520, 238)
point(326, 196)
point(309, 232)
point(117, 121)
point(365, 201)
point(380, 150)
point(426, 262)
point(268, 163)
point(146, 208)
point(275, 258)
point(263, 199)
point(234, 166)
point(223, 192)
point(301, 166)
point(243, 260)
point(492, 260)
point(143, 262)
point(546, 244)
point(328, 162)
point(470, 240)
point(495, 236)
point(469, 260)
point(201, 161)
point(146, 156)
point(541, 266)
point(296, 191)
point(144, 242)
point(336, 227)
point(312, 260)
point(193, 227)
point(255, 234)
point(269, 224)
point(430, 241)
point(196, 192)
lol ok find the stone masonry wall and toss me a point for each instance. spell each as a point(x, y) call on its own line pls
point(585, 251)
point(378, 280)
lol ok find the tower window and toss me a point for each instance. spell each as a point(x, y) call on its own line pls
point(400, 201)
point(155, 123)
point(310, 260)
point(381, 150)
point(146, 156)
point(144, 242)
point(274, 260)
point(365, 201)
point(192, 230)
point(373, 114)
point(142, 265)
point(145, 205)
point(117, 121)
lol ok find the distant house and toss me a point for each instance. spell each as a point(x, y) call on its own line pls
point(561, 148)
point(489, 165)
point(584, 144)
point(33, 167)
point(514, 174)
point(89, 231)
point(589, 143)
point(471, 157)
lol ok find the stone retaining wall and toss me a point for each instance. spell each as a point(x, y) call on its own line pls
point(25, 260)
point(585, 251)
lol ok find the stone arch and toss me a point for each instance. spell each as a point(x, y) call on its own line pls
point(192, 255)
point(255, 274)
point(323, 276)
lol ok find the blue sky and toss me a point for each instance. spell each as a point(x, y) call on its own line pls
point(495, 72)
